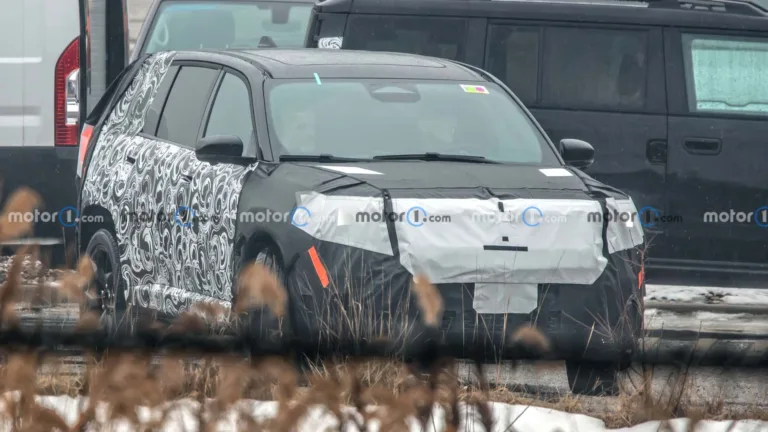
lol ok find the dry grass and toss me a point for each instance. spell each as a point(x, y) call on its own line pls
point(126, 381)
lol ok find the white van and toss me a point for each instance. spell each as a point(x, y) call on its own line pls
point(40, 92)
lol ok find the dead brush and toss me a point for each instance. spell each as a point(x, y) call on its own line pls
point(126, 381)
point(21, 201)
point(257, 286)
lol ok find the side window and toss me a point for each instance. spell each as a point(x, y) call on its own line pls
point(161, 94)
point(437, 37)
point(231, 111)
point(726, 74)
point(594, 68)
point(183, 112)
point(513, 57)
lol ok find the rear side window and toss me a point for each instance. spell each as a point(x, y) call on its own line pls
point(437, 37)
point(513, 57)
point(726, 74)
point(184, 25)
point(594, 68)
point(183, 112)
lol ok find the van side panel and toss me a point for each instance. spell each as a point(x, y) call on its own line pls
point(41, 30)
point(60, 22)
point(11, 76)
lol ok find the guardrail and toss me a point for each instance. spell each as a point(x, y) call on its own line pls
point(430, 350)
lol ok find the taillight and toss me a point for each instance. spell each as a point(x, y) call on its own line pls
point(85, 139)
point(66, 95)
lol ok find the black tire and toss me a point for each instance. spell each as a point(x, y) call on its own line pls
point(592, 378)
point(261, 322)
point(110, 302)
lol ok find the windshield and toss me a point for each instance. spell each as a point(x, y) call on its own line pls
point(368, 118)
point(221, 25)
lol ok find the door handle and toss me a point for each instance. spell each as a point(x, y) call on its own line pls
point(130, 159)
point(703, 146)
point(186, 177)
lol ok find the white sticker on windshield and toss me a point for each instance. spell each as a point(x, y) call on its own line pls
point(555, 172)
point(350, 170)
point(330, 42)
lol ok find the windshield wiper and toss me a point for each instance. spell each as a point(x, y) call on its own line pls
point(436, 157)
point(324, 157)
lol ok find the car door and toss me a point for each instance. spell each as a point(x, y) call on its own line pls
point(603, 84)
point(718, 143)
point(172, 283)
point(214, 190)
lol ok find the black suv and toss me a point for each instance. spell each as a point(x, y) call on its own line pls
point(350, 173)
point(672, 94)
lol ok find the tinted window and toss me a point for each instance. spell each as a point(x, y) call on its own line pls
point(594, 68)
point(513, 57)
point(153, 114)
point(186, 103)
point(367, 118)
point(437, 37)
point(231, 111)
point(220, 25)
point(726, 74)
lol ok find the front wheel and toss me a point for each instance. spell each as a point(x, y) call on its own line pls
point(261, 322)
point(109, 304)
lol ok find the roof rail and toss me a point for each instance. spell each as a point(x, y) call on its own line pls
point(742, 7)
point(630, 3)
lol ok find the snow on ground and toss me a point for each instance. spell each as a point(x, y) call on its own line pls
point(711, 295)
point(506, 418)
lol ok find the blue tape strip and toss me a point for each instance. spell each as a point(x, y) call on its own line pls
point(317, 79)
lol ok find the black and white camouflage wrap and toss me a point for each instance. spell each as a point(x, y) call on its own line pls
point(166, 266)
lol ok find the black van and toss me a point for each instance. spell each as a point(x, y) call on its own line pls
point(672, 94)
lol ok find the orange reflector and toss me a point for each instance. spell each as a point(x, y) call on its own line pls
point(319, 267)
point(641, 277)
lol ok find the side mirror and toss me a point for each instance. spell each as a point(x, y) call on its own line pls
point(221, 148)
point(577, 153)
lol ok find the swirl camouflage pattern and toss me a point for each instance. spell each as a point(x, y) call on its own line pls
point(166, 265)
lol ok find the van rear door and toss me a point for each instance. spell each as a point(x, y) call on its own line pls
point(103, 48)
point(104, 54)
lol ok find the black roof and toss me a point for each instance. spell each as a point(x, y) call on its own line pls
point(717, 14)
point(331, 63)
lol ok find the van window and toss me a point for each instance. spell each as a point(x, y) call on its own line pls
point(221, 25)
point(594, 68)
point(726, 74)
point(513, 57)
point(437, 37)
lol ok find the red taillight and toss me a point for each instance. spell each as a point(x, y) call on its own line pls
point(66, 95)
point(85, 139)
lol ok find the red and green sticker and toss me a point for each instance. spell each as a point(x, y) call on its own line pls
point(474, 89)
